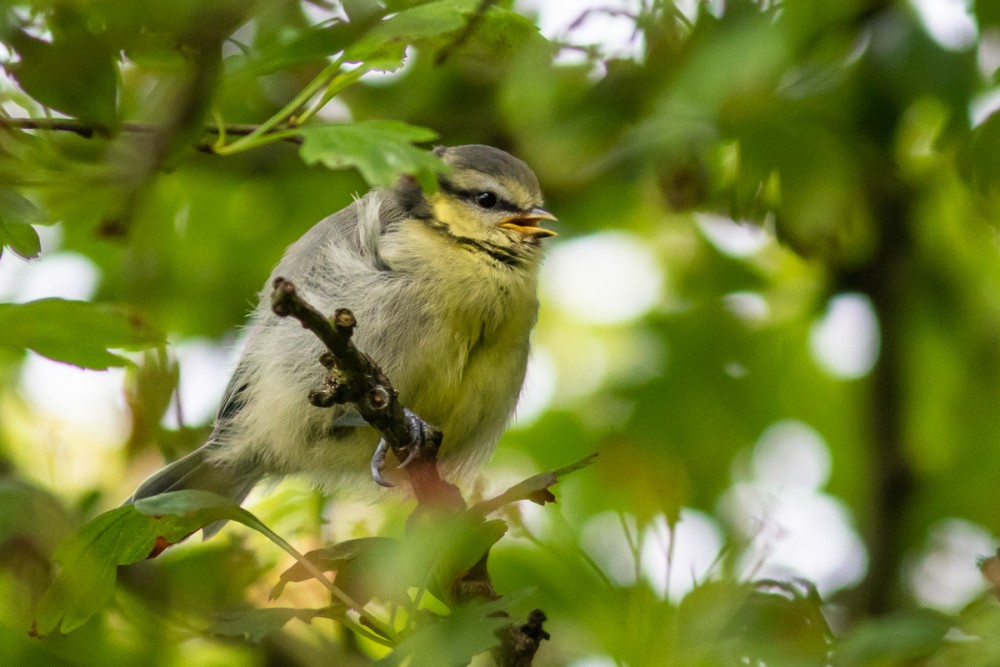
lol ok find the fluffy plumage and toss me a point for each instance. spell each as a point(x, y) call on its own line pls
point(443, 287)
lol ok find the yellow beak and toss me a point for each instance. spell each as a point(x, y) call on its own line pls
point(521, 223)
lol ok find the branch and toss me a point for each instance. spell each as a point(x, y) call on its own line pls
point(352, 377)
point(87, 130)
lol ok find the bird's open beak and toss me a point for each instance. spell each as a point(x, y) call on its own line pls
point(522, 223)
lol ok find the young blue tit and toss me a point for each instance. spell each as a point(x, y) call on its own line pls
point(443, 286)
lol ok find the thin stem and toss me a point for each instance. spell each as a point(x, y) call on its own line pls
point(337, 84)
point(254, 139)
point(220, 127)
point(633, 545)
point(76, 126)
point(576, 548)
point(251, 136)
point(671, 554)
point(681, 17)
point(417, 599)
point(377, 625)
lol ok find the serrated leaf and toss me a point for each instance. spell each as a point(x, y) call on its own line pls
point(17, 214)
point(435, 554)
point(254, 625)
point(21, 238)
point(440, 549)
point(452, 639)
point(535, 488)
point(461, 554)
point(902, 638)
point(31, 516)
point(381, 150)
point(391, 36)
point(89, 558)
point(75, 73)
point(75, 332)
point(149, 390)
point(311, 46)
point(361, 11)
point(361, 565)
point(121, 536)
point(503, 30)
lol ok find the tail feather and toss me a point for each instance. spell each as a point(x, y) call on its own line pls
point(195, 471)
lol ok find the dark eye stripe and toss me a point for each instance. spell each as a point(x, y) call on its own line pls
point(470, 196)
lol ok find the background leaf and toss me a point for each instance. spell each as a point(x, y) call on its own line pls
point(74, 73)
point(16, 217)
point(75, 332)
point(125, 535)
point(256, 624)
point(389, 37)
point(454, 640)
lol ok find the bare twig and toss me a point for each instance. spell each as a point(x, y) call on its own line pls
point(354, 378)
point(88, 130)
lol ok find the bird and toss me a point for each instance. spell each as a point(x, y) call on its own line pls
point(443, 286)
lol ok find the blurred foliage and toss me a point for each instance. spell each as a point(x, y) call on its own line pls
point(180, 146)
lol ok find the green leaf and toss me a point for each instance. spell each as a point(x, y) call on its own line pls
point(389, 38)
point(435, 554)
point(121, 536)
point(17, 214)
point(503, 31)
point(76, 332)
point(360, 565)
point(30, 517)
point(149, 390)
point(903, 638)
point(460, 554)
point(361, 11)
point(255, 624)
point(441, 549)
point(987, 13)
point(381, 150)
point(87, 577)
point(535, 488)
point(978, 157)
point(21, 238)
point(452, 639)
point(310, 46)
point(75, 73)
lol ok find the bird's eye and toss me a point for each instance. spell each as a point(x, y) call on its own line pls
point(486, 199)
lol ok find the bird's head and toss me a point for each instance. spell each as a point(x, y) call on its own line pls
point(490, 202)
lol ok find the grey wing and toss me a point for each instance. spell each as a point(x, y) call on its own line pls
point(350, 234)
point(233, 402)
point(355, 231)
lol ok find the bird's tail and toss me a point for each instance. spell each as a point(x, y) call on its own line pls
point(196, 471)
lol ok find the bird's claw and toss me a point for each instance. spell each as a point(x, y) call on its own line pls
point(418, 438)
point(411, 456)
point(378, 464)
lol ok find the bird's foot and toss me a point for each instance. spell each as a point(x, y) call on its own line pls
point(418, 440)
